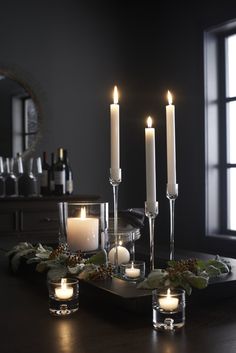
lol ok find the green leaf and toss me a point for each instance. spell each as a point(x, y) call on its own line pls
point(212, 271)
point(19, 247)
point(171, 263)
point(57, 273)
point(220, 265)
point(98, 259)
point(16, 259)
point(41, 267)
point(156, 278)
point(198, 282)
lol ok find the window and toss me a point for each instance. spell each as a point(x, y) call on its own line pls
point(220, 105)
point(24, 123)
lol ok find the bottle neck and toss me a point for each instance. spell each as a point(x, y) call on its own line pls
point(60, 154)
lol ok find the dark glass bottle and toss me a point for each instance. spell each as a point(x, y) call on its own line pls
point(60, 174)
point(45, 182)
point(2, 179)
point(52, 175)
point(11, 180)
point(27, 181)
point(69, 175)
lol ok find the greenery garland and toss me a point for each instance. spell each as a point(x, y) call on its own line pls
point(58, 263)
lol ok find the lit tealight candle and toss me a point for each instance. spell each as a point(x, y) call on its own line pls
point(123, 255)
point(168, 302)
point(132, 272)
point(64, 291)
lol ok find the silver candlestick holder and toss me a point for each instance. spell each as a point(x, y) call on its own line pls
point(115, 180)
point(172, 194)
point(151, 211)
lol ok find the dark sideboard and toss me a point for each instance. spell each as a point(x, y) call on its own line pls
point(34, 219)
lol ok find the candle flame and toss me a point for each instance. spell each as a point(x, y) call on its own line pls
point(63, 283)
point(169, 97)
point(115, 95)
point(149, 121)
point(168, 293)
point(120, 243)
point(83, 213)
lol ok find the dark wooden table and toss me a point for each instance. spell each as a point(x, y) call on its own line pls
point(27, 327)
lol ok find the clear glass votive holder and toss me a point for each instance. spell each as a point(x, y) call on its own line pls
point(168, 307)
point(83, 226)
point(63, 296)
point(133, 271)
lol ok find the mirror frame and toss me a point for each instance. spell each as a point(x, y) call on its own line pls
point(20, 78)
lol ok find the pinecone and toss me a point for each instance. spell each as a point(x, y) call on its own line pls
point(181, 266)
point(102, 272)
point(56, 252)
point(74, 260)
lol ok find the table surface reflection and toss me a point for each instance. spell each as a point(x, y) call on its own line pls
point(26, 325)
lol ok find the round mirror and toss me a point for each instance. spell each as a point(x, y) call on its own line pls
point(20, 118)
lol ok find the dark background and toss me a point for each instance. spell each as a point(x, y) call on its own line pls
point(71, 53)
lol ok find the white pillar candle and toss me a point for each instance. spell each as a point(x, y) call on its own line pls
point(82, 232)
point(64, 291)
point(170, 140)
point(168, 302)
point(115, 135)
point(123, 255)
point(132, 272)
point(150, 164)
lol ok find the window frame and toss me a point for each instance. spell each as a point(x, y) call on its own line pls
point(216, 130)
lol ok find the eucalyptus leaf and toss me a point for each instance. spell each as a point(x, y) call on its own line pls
point(17, 258)
point(41, 267)
point(98, 259)
point(57, 273)
point(212, 271)
point(220, 265)
point(198, 282)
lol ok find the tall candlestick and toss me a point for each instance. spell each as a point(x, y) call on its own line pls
point(170, 140)
point(115, 135)
point(150, 165)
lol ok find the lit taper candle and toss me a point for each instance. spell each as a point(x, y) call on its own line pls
point(115, 135)
point(150, 165)
point(170, 140)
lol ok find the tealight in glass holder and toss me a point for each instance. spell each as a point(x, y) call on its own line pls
point(168, 309)
point(133, 271)
point(126, 235)
point(63, 296)
point(83, 226)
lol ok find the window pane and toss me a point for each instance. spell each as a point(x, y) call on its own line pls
point(231, 132)
point(231, 66)
point(232, 198)
point(31, 117)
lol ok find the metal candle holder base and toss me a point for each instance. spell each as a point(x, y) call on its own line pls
point(115, 180)
point(151, 211)
point(172, 194)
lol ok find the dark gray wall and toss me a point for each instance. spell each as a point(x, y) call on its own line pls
point(73, 52)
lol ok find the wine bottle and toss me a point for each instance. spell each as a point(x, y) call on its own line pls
point(11, 180)
point(28, 181)
point(60, 174)
point(69, 176)
point(44, 187)
point(52, 175)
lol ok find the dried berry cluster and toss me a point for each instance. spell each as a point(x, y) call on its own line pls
point(102, 272)
point(182, 266)
point(74, 260)
point(57, 252)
